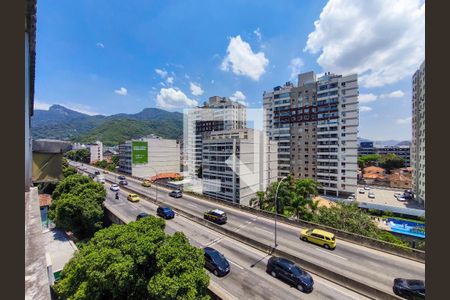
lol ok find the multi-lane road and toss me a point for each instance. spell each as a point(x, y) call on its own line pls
point(366, 265)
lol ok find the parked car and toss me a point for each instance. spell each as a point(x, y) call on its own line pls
point(319, 237)
point(351, 197)
point(121, 177)
point(367, 188)
point(123, 182)
point(409, 288)
point(216, 216)
point(215, 262)
point(142, 215)
point(176, 194)
point(397, 194)
point(401, 198)
point(133, 198)
point(289, 272)
point(165, 212)
point(361, 191)
point(146, 183)
point(114, 188)
point(371, 195)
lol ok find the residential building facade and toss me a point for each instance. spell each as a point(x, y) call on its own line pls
point(316, 124)
point(418, 134)
point(218, 114)
point(237, 163)
point(148, 157)
point(96, 151)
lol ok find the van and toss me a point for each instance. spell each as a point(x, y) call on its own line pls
point(320, 237)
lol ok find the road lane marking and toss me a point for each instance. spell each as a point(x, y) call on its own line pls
point(213, 242)
point(328, 252)
point(192, 205)
point(241, 226)
point(240, 267)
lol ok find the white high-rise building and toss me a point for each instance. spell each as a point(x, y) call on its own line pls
point(316, 125)
point(418, 134)
point(218, 114)
point(96, 150)
point(238, 163)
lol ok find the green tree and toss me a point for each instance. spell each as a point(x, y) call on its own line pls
point(68, 171)
point(391, 161)
point(80, 155)
point(179, 271)
point(261, 200)
point(68, 183)
point(135, 261)
point(368, 160)
point(82, 216)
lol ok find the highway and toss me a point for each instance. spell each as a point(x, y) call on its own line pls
point(364, 264)
point(247, 279)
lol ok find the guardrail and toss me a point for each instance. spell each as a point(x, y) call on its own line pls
point(342, 280)
point(398, 250)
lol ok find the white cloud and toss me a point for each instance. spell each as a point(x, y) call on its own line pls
point(174, 98)
point(196, 89)
point(295, 65)
point(366, 98)
point(41, 105)
point(212, 81)
point(186, 76)
point(162, 83)
point(122, 91)
point(394, 94)
point(257, 32)
point(404, 121)
point(100, 45)
point(243, 61)
point(162, 73)
point(169, 80)
point(239, 97)
point(381, 40)
point(365, 108)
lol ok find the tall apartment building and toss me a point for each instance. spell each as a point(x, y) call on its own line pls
point(218, 114)
point(147, 157)
point(418, 134)
point(238, 163)
point(96, 152)
point(315, 124)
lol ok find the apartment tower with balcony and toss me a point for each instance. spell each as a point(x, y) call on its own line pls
point(316, 124)
point(418, 134)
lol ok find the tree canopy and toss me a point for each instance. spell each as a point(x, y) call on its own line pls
point(135, 261)
point(80, 155)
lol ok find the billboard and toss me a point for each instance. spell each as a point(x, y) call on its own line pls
point(139, 152)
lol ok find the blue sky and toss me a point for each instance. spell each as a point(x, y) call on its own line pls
point(109, 57)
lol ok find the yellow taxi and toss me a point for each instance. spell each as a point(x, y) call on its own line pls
point(146, 183)
point(133, 198)
point(319, 237)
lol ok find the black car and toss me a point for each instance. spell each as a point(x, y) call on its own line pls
point(165, 212)
point(97, 172)
point(121, 177)
point(142, 215)
point(123, 182)
point(215, 262)
point(216, 216)
point(409, 288)
point(176, 194)
point(289, 272)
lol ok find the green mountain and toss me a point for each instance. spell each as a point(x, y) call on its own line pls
point(62, 123)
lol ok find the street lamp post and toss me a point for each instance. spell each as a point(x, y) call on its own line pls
point(276, 208)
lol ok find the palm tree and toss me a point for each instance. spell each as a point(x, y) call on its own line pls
point(261, 199)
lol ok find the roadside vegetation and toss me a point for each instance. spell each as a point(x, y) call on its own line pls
point(388, 162)
point(296, 200)
point(135, 261)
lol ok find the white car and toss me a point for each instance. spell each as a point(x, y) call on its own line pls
point(398, 194)
point(361, 191)
point(367, 188)
point(114, 188)
point(371, 195)
point(401, 198)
